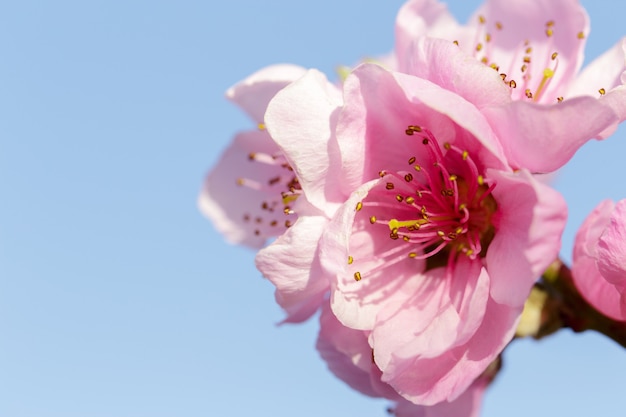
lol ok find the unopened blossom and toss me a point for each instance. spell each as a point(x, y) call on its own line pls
point(534, 50)
point(599, 259)
point(349, 357)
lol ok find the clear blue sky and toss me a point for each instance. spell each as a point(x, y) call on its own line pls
point(118, 299)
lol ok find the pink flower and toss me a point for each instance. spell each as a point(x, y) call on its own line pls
point(291, 262)
point(599, 260)
point(439, 242)
point(249, 193)
point(526, 60)
point(254, 193)
point(349, 357)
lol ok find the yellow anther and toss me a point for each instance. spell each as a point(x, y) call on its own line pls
point(484, 60)
point(488, 37)
point(602, 91)
point(527, 60)
point(581, 35)
point(554, 55)
point(409, 200)
point(251, 156)
point(453, 177)
point(447, 146)
point(512, 84)
point(395, 225)
point(357, 276)
point(498, 25)
point(399, 198)
point(481, 19)
point(464, 155)
point(481, 180)
point(350, 260)
point(417, 168)
point(462, 206)
point(287, 223)
point(240, 181)
point(529, 50)
point(440, 233)
point(456, 43)
point(290, 198)
point(550, 23)
point(373, 219)
point(411, 160)
point(549, 32)
point(528, 93)
point(261, 126)
point(524, 68)
point(359, 206)
point(412, 255)
point(494, 66)
point(408, 177)
point(559, 99)
point(479, 47)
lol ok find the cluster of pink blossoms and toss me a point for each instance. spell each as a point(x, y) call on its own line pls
point(403, 202)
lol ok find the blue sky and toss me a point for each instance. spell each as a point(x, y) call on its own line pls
point(118, 299)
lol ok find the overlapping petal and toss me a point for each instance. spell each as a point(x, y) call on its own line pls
point(599, 259)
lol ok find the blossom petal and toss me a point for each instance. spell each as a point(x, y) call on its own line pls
point(255, 92)
point(601, 294)
point(544, 26)
point(380, 105)
point(543, 138)
point(467, 404)
point(446, 65)
point(235, 210)
point(346, 353)
point(429, 381)
point(291, 264)
point(528, 234)
point(605, 72)
point(450, 309)
point(418, 18)
point(612, 248)
point(301, 119)
point(356, 301)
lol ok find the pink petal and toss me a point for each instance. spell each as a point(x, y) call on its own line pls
point(379, 107)
point(439, 316)
point(301, 119)
point(346, 352)
point(601, 294)
point(531, 219)
point(235, 210)
point(291, 264)
point(543, 138)
point(612, 248)
point(446, 65)
point(356, 303)
point(524, 24)
point(429, 381)
point(467, 404)
point(419, 18)
point(603, 72)
point(254, 93)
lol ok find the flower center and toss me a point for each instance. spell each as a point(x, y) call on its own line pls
point(438, 209)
